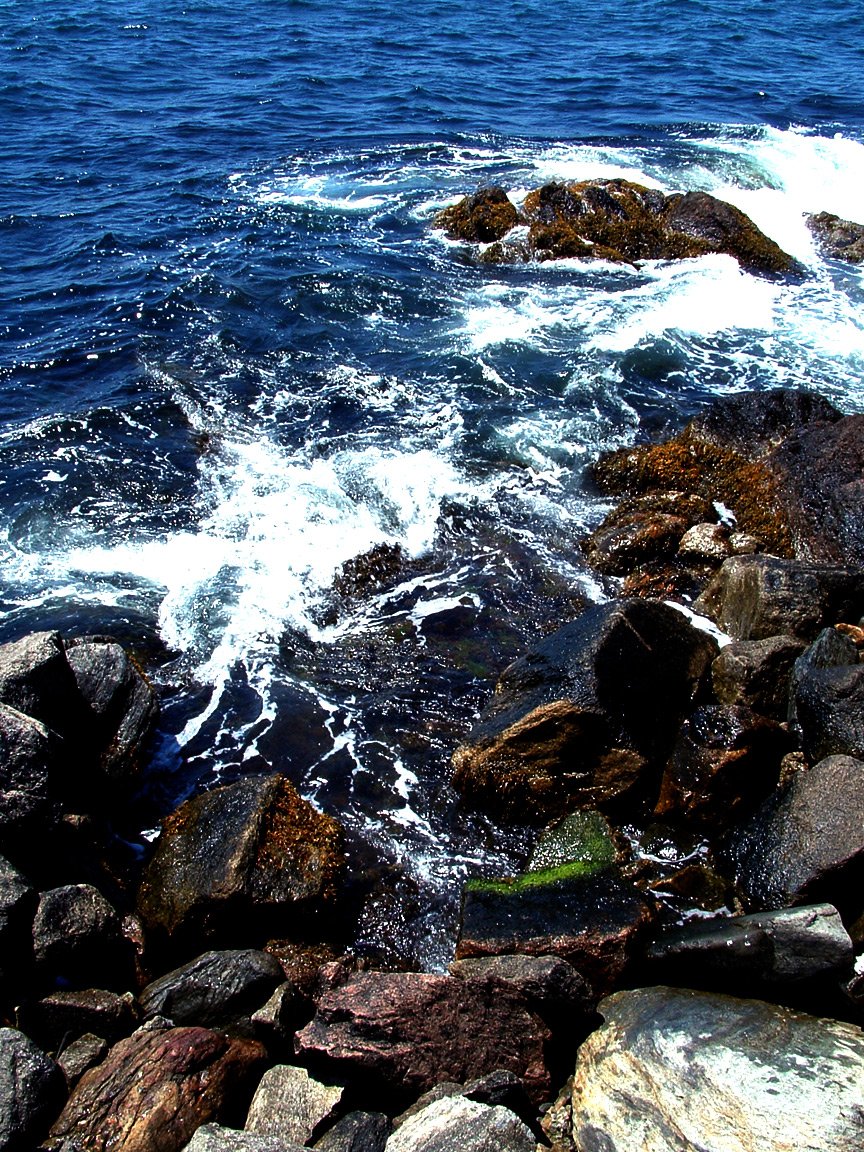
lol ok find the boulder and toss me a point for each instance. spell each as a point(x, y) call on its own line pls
point(68, 1014)
point(456, 1122)
point(757, 953)
point(706, 544)
point(35, 678)
point(721, 227)
point(275, 1022)
point(404, 1032)
point(616, 548)
point(832, 648)
point(291, 1104)
point(217, 1138)
point(727, 759)
point(486, 216)
point(820, 470)
point(122, 704)
point(550, 985)
point(757, 422)
point(760, 1076)
point(837, 238)
point(28, 805)
point(829, 711)
point(356, 1132)
point(587, 713)
point(32, 1092)
point(756, 674)
point(156, 1088)
point(18, 902)
point(240, 863)
point(81, 1055)
point(753, 597)
point(216, 990)
point(594, 921)
point(806, 844)
point(78, 939)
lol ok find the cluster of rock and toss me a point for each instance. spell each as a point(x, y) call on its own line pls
point(676, 966)
point(624, 222)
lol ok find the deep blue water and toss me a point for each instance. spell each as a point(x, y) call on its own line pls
point(234, 354)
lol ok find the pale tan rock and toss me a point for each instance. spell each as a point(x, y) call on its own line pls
point(290, 1104)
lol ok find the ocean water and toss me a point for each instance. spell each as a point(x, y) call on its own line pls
point(235, 356)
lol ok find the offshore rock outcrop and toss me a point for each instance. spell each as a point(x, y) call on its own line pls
point(616, 220)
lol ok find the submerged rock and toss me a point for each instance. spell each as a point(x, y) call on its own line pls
point(583, 716)
point(756, 1076)
point(838, 238)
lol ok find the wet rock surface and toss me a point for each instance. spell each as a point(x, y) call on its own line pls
point(582, 717)
point(615, 220)
point(838, 238)
point(32, 1091)
point(763, 1076)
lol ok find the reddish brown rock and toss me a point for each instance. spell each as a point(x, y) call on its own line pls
point(155, 1088)
point(405, 1032)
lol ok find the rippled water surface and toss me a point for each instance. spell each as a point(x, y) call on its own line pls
point(235, 355)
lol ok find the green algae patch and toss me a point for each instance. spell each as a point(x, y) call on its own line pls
point(573, 848)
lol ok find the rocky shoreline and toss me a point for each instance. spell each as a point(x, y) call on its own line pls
point(681, 963)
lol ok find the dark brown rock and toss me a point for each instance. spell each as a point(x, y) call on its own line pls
point(753, 597)
point(616, 549)
point(754, 423)
point(722, 227)
point(404, 1032)
point(66, 1014)
point(155, 1088)
point(550, 985)
point(756, 674)
point(251, 857)
point(216, 990)
point(581, 717)
point(486, 216)
point(840, 239)
point(727, 760)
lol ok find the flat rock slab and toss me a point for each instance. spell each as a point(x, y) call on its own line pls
point(672, 1070)
point(405, 1032)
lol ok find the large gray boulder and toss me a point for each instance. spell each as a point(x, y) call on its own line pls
point(35, 678)
point(674, 1070)
point(32, 1092)
point(586, 715)
point(218, 1138)
point(456, 1122)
